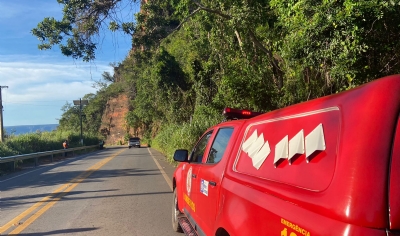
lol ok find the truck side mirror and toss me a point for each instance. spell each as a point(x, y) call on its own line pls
point(181, 155)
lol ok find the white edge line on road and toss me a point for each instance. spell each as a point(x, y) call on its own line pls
point(169, 182)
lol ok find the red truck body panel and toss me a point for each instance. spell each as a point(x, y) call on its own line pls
point(330, 166)
point(394, 187)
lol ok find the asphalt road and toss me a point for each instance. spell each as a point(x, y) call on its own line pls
point(116, 191)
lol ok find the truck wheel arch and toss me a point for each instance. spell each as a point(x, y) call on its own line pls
point(221, 232)
point(178, 193)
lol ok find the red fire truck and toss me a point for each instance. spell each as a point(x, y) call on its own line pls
point(330, 166)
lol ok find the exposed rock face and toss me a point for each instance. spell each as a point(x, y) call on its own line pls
point(113, 121)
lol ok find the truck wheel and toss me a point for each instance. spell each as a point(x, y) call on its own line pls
point(176, 214)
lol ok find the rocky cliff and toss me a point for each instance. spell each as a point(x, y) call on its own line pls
point(113, 121)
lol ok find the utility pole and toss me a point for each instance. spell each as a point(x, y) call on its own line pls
point(81, 102)
point(1, 115)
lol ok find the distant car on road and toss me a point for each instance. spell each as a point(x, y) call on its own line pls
point(134, 142)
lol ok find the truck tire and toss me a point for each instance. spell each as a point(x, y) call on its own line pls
point(176, 214)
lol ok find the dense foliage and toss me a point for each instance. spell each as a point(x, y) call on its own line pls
point(39, 142)
point(42, 141)
point(260, 55)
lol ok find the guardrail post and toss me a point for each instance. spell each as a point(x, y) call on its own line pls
point(36, 161)
point(52, 156)
point(14, 164)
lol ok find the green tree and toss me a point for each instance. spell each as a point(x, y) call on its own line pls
point(70, 119)
point(77, 33)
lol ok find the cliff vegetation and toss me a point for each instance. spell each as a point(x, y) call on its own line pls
point(192, 58)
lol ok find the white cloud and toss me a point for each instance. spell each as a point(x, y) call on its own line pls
point(35, 86)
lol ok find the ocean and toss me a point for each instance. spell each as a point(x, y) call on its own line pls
point(24, 129)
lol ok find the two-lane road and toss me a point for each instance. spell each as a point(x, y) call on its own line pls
point(116, 191)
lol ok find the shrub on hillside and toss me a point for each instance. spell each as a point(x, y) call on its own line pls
point(6, 150)
point(185, 136)
point(43, 141)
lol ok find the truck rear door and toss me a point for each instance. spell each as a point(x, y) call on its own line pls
point(210, 177)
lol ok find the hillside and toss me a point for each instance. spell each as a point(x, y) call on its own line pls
point(113, 123)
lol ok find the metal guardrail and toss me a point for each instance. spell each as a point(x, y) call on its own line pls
point(36, 155)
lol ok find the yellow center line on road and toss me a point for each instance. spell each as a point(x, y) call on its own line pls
point(62, 191)
point(28, 211)
point(31, 209)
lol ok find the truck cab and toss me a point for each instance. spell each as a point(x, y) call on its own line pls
point(329, 166)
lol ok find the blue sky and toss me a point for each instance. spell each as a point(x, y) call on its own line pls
point(41, 82)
